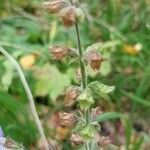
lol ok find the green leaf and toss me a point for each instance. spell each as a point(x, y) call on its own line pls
point(85, 99)
point(7, 77)
point(102, 87)
point(100, 90)
point(42, 88)
point(102, 47)
point(50, 81)
point(88, 132)
point(79, 126)
point(128, 133)
point(16, 120)
point(105, 68)
point(137, 99)
point(138, 144)
point(108, 116)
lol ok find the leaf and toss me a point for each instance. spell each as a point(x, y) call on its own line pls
point(126, 22)
point(7, 77)
point(50, 81)
point(105, 68)
point(85, 99)
point(138, 144)
point(105, 88)
point(109, 116)
point(102, 87)
point(41, 88)
point(128, 133)
point(53, 30)
point(102, 47)
point(100, 90)
point(137, 99)
point(88, 132)
point(16, 120)
point(79, 126)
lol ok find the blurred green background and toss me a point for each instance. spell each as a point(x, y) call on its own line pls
point(26, 31)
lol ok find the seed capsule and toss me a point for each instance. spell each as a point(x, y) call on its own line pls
point(76, 139)
point(59, 52)
point(68, 16)
point(71, 95)
point(67, 119)
point(54, 6)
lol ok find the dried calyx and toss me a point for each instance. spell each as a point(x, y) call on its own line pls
point(94, 59)
point(68, 12)
point(76, 139)
point(55, 5)
point(67, 119)
point(71, 95)
point(104, 141)
point(68, 16)
point(59, 52)
point(96, 112)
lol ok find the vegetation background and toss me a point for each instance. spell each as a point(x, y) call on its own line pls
point(26, 31)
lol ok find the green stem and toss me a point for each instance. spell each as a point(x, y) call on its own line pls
point(83, 72)
point(82, 67)
point(29, 96)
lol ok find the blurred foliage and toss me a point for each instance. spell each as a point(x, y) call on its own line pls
point(120, 27)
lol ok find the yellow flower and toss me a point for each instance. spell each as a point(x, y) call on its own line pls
point(132, 49)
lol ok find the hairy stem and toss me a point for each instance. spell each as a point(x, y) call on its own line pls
point(83, 74)
point(82, 67)
point(28, 93)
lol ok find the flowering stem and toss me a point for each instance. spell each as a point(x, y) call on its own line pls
point(28, 93)
point(82, 67)
point(83, 74)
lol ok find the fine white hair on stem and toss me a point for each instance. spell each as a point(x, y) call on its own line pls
point(28, 93)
